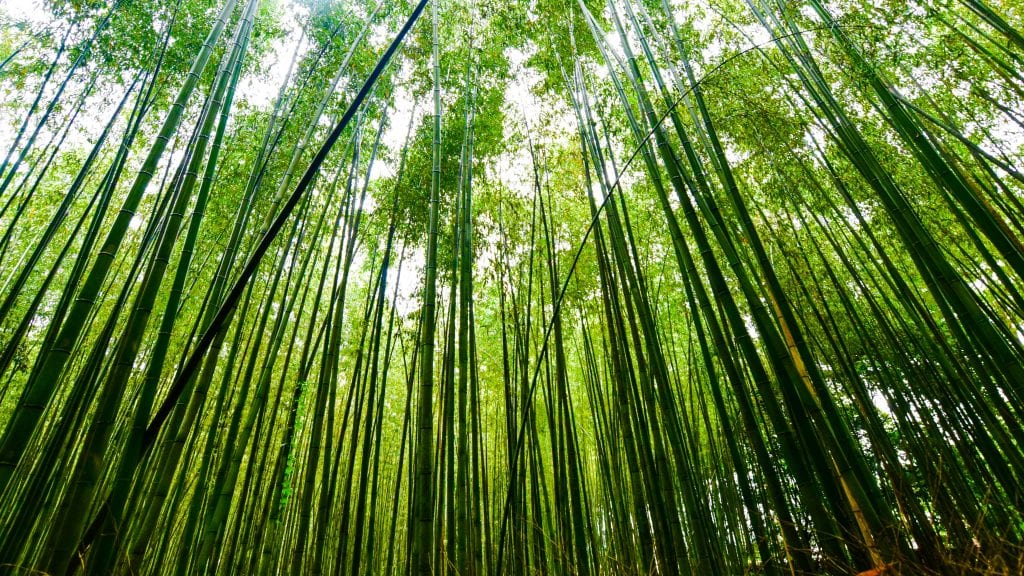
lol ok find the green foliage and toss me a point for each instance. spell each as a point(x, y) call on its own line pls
point(291, 460)
point(673, 288)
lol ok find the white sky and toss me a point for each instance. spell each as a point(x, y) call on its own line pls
point(27, 10)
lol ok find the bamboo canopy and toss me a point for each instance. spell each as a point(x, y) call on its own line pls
point(464, 287)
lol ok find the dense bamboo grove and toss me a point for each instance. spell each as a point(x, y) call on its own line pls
point(469, 287)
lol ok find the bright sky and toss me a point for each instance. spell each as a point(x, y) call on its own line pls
point(24, 10)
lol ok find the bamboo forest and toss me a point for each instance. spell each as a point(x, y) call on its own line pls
point(500, 287)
